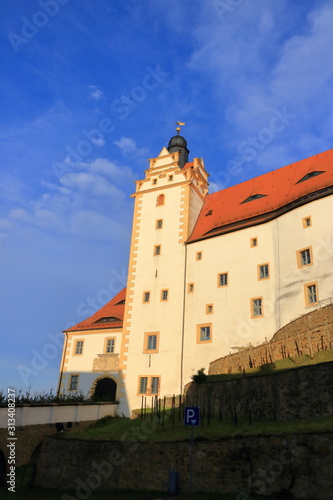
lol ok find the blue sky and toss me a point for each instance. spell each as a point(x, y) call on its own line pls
point(89, 91)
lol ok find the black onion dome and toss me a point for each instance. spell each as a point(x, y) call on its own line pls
point(177, 140)
point(179, 144)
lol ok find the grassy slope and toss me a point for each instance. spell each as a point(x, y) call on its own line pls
point(126, 429)
point(280, 365)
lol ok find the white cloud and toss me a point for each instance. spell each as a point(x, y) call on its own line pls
point(129, 147)
point(98, 142)
point(91, 184)
point(96, 93)
point(104, 167)
point(215, 186)
point(13, 190)
point(86, 203)
point(278, 61)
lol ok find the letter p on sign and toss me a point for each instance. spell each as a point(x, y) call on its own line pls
point(192, 415)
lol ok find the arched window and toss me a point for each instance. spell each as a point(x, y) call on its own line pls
point(160, 200)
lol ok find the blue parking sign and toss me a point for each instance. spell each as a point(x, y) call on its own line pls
point(192, 415)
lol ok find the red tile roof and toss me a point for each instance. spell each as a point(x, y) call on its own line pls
point(227, 210)
point(111, 309)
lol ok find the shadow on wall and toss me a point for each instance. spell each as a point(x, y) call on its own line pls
point(34, 460)
point(3, 470)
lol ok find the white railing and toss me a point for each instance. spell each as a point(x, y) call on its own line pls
point(325, 302)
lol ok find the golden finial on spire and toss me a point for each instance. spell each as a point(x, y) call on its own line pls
point(180, 124)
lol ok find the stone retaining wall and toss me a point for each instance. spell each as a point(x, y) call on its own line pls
point(303, 392)
point(29, 439)
point(299, 464)
point(308, 334)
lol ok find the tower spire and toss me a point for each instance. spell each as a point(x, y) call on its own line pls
point(178, 144)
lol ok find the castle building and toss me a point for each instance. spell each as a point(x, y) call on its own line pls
point(207, 273)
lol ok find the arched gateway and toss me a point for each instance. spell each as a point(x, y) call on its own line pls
point(104, 389)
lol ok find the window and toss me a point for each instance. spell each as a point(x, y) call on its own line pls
point(253, 197)
point(204, 333)
point(149, 385)
point(150, 342)
point(154, 181)
point(170, 177)
point(222, 279)
point(164, 295)
point(256, 307)
point(311, 293)
point(190, 287)
point(157, 250)
point(263, 271)
point(209, 309)
point(304, 257)
point(159, 224)
point(143, 385)
point(73, 383)
point(154, 385)
point(307, 222)
point(120, 303)
point(198, 256)
point(110, 319)
point(160, 200)
point(253, 242)
point(78, 347)
point(109, 345)
point(146, 297)
point(314, 173)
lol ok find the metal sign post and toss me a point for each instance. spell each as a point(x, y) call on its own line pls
point(192, 418)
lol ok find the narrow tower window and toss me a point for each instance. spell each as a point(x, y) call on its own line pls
point(311, 293)
point(222, 279)
point(304, 257)
point(263, 271)
point(307, 222)
point(256, 307)
point(160, 200)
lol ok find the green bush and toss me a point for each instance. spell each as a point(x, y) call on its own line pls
point(200, 377)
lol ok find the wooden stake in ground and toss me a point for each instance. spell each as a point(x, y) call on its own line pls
point(310, 345)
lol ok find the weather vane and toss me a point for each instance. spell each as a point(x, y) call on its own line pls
point(180, 124)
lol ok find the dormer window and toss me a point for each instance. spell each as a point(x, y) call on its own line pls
point(314, 173)
point(120, 303)
point(109, 319)
point(254, 197)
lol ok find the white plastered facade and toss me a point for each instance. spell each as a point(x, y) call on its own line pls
point(161, 260)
